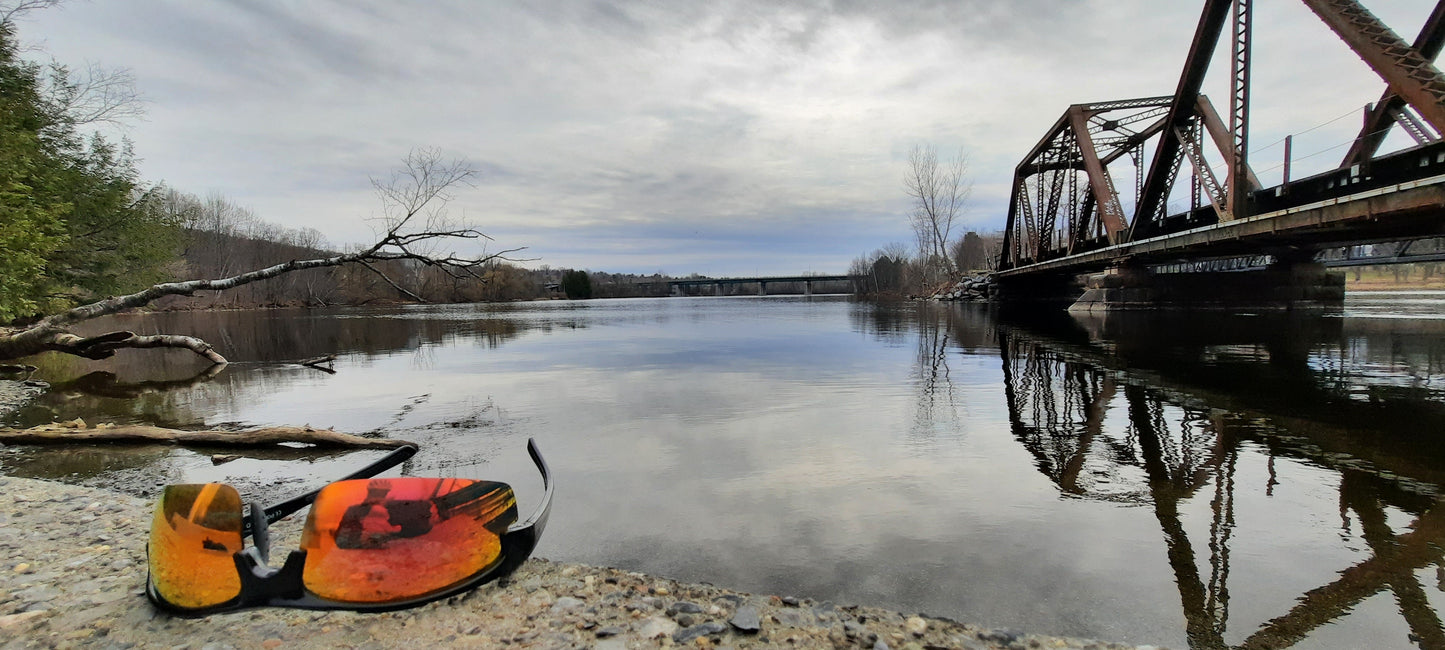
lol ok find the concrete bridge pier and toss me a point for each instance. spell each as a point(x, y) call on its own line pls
point(1037, 290)
point(762, 288)
point(807, 287)
point(1286, 285)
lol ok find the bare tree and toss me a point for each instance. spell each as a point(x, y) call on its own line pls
point(414, 229)
point(95, 95)
point(939, 190)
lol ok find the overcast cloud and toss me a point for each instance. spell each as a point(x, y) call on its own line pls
point(725, 138)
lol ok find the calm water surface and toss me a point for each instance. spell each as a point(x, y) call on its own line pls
point(1205, 481)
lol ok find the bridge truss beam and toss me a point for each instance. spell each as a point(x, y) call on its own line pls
point(1378, 120)
point(1064, 200)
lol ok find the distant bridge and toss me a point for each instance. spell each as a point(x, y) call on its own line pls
point(842, 284)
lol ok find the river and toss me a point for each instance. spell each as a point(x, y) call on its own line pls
point(1165, 479)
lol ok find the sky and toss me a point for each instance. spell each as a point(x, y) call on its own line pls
point(727, 138)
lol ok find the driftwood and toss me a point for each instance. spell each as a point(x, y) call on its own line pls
point(76, 431)
point(317, 363)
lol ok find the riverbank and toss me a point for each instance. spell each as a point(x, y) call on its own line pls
point(72, 571)
point(15, 394)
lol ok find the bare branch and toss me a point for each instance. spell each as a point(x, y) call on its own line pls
point(97, 95)
point(11, 10)
point(393, 283)
point(416, 226)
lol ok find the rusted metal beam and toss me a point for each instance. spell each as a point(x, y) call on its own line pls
point(1220, 135)
point(1110, 212)
point(1205, 175)
point(1166, 156)
point(1328, 219)
point(1429, 43)
point(1408, 73)
point(1239, 186)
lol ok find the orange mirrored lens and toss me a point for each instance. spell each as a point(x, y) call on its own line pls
point(195, 531)
point(384, 540)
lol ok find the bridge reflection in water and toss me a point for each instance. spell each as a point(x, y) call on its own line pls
point(1159, 411)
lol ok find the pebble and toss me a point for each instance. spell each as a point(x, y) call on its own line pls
point(657, 627)
point(747, 620)
point(916, 626)
point(684, 607)
point(704, 629)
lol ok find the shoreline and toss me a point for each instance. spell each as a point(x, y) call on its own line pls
point(72, 573)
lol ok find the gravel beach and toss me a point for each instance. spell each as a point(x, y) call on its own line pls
point(72, 570)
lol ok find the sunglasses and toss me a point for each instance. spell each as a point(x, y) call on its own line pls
point(369, 544)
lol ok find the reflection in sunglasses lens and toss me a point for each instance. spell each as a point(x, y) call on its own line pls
point(195, 532)
point(385, 540)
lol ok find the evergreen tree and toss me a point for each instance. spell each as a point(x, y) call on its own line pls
point(577, 285)
point(75, 223)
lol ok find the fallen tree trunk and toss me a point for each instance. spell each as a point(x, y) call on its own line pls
point(135, 434)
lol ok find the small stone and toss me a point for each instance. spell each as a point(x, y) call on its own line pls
point(880, 645)
point(916, 626)
point(790, 601)
point(657, 627)
point(23, 567)
point(569, 571)
point(661, 591)
point(685, 620)
point(567, 603)
point(11, 620)
point(222, 459)
point(747, 620)
point(589, 581)
point(684, 607)
point(611, 630)
point(1001, 637)
point(271, 643)
point(686, 635)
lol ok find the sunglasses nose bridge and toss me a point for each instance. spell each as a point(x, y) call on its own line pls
point(260, 532)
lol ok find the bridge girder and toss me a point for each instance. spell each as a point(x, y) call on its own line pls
point(1045, 221)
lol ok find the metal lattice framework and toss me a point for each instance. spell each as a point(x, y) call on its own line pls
point(1064, 196)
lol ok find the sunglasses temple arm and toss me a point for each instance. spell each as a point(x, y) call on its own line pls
point(538, 520)
point(275, 512)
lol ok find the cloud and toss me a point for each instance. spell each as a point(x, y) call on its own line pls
point(629, 136)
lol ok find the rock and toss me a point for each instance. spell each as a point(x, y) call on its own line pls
point(686, 635)
point(11, 620)
point(747, 620)
point(611, 630)
point(880, 645)
point(685, 620)
point(222, 459)
point(1001, 637)
point(567, 604)
point(916, 626)
point(657, 627)
point(683, 607)
point(790, 601)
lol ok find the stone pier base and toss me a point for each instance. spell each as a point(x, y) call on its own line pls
point(1281, 287)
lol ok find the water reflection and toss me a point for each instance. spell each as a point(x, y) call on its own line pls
point(1231, 481)
point(1195, 396)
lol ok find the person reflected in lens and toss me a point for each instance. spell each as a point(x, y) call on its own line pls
point(363, 526)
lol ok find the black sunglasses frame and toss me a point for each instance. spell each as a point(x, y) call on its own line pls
point(265, 586)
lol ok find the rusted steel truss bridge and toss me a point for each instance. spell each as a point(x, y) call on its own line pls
point(1067, 217)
